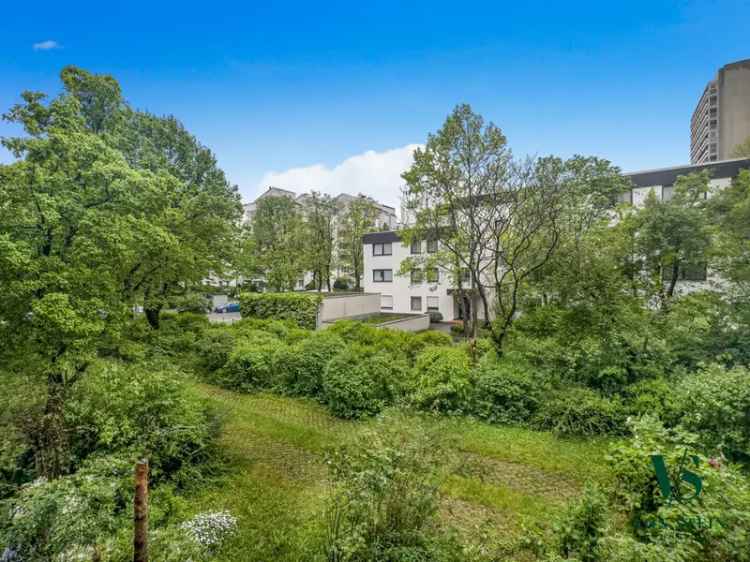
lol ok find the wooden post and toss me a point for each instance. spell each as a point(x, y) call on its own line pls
point(140, 512)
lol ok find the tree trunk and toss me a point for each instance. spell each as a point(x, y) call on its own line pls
point(152, 315)
point(49, 437)
point(485, 305)
point(140, 513)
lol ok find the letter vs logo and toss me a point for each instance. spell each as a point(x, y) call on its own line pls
point(665, 484)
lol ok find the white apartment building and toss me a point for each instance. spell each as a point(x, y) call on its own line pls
point(435, 290)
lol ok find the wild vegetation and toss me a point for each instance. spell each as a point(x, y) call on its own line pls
point(539, 436)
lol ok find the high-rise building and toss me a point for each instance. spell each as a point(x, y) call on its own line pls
point(721, 120)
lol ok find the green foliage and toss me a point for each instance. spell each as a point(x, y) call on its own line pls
point(306, 362)
point(358, 219)
point(213, 349)
point(302, 308)
point(254, 365)
point(140, 411)
point(579, 411)
point(361, 381)
point(506, 393)
point(443, 379)
point(716, 404)
point(385, 499)
point(711, 526)
point(582, 528)
point(342, 283)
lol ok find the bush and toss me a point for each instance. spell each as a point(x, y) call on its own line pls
point(436, 316)
point(506, 393)
point(301, 308)
point(146, 411)
point(342, 284)
point(304, 366)
point(579, 411)
point(656, 397)
point(384, 504)
point(254, 365)
point(443, 378)
point(716, 405)
point(393, 342)
point(416, 343)
point(582, 528)
point(360, 381)
point(213, 349)
point(711, 526)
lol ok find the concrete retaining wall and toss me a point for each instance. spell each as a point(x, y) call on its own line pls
point(409, 324)
point(336, 307)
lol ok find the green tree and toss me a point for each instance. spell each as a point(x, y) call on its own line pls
point(278, 234)
point(357, 219)
point(730, 210)
point(95, 214)
point(320, 221)
point(671, 238)
point(456, 189)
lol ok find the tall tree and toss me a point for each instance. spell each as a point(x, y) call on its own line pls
point(358, 218)
point(278, 234)
point(320, 223)
point(454, 189)
point(94, 214)
point(671, 237)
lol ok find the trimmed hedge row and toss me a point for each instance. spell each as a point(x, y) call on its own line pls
point(301, 308)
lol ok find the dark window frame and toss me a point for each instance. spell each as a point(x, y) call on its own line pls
point(432, 246)
point(382, 246)
point(418, 244)
point(411, 304)
point(383, 272)
point(416, 276)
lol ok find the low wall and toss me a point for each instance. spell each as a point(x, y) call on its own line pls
point(409, 324)
point(336, 307)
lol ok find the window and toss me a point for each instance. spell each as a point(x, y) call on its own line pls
point(386, 302)
point(433, 303)
point(432, 246)
point(626, 197)
point(416, 276)
point(667, 192)
point(416, 304)
point(384, 249)
point(432, 274)
point(416, 247)
point(465, 276)
point(382, 275)
point(300, 283)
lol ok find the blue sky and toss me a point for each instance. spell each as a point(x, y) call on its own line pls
point(331, 95)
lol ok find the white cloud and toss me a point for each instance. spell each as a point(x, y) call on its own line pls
point(377, 174)
point(46, 45)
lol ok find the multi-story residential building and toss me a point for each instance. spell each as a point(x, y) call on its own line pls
point(435, 290)
point(721, 120)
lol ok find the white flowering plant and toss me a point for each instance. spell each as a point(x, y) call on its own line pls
point(210, 529)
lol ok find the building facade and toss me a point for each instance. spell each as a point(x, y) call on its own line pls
point(435, 291)
point(721, 120)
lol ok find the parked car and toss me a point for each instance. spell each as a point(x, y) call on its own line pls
point(228, 307)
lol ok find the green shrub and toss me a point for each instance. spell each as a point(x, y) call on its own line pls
point(393, 342)
point(429, 338)
point(716, 405)
point(342, 283)
point(443, 379)
point(213, 349)
point(384, 502)
point(711, 526)
point(304, 366)
point(301, 308)
point(579, 411)
point(360, 381)
point(657, 397)
point(506, 393)
point(583, 526)
point(254, 365)
point(145, 410)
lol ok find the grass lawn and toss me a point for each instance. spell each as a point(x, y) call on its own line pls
point(505, 477)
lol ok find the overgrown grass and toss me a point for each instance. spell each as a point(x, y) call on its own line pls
point(501, 478)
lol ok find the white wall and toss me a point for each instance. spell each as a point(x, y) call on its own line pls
point(336, 307)
point(401, 288)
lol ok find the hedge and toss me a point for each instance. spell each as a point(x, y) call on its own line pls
point(301, 308)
